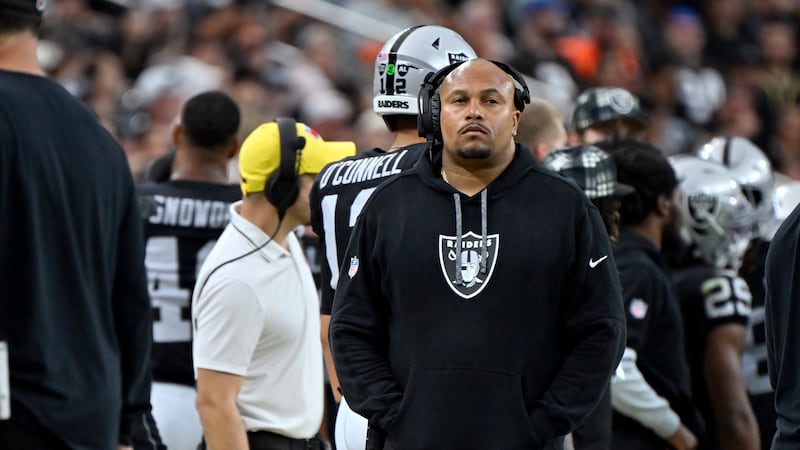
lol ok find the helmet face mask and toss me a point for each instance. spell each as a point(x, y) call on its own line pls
point(404, 61)
point(716, 215)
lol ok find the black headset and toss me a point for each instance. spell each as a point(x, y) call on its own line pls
point(283, 186)
point(430, 103)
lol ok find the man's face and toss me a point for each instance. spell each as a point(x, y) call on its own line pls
point(675, 224)
point(301, 209)
point(619, 128)
point(477, 114)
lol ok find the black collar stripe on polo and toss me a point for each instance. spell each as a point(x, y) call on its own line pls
point(390, 65)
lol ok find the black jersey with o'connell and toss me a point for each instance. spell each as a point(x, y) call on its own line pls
point(339, 193)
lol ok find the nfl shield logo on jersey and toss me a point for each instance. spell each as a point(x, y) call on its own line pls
point(468, 270)
point(638, 308)
point(351, 272)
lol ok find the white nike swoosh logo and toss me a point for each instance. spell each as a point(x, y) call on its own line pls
point(593, 263)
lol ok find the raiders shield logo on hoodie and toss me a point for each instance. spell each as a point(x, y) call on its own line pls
point(468, 270)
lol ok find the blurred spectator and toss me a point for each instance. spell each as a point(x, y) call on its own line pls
point(738, 115)
point(479, 22)
point(539, 24)
point(786, 141)
point(727, 41)
point(667, 130)
point(332, 55)
point(611, 27)
point(778, 48)
point(106, 82)
point(159, 93)
point(541, 129)
point(328, 112)
point(701, 89)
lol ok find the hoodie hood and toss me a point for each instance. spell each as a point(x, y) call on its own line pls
point(429, 168)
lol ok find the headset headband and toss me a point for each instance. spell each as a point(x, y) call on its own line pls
point(429, 103)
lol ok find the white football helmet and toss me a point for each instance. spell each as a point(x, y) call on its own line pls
point(751, 169)
point(785, 197)
point(404, 61)
point(716, 215)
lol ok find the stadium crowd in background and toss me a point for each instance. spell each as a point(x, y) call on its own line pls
point(700, 69)
point(692, 74)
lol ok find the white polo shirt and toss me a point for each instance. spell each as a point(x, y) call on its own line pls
point(258, 317)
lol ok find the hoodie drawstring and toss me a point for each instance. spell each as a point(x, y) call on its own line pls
point(457, 199)
point(484, 233)
point(484, 219)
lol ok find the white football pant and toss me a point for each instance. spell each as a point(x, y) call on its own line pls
point(176, 416)
point(351, 429)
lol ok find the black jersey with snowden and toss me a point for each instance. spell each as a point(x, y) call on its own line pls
point(74, 307)
point(450, 335)
point(182, 221)
point(709, 298)
point(656, 333)
point(339, 193)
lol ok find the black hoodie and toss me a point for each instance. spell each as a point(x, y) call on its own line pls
point(507, 345)
point(782, 316)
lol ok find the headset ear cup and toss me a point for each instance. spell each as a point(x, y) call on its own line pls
point(435, 107)
point(519, 103)
point(424, 126)
point(283, 186)
point(282, 192)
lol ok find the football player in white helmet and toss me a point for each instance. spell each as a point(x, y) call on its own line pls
point(750, 168)
point(783, 199)
point(399, 72)
point(785, 196)
point(717, 216)
point(715, 302)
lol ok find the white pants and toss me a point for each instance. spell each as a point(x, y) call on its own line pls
point(351, 429)
point(175, 415)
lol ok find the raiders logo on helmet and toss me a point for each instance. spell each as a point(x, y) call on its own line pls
point(702, 207)
point(464, 269)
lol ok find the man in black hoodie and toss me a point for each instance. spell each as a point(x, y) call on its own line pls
point(783, 340)
point(655, 327)
point(478, 305)
point(75, 317)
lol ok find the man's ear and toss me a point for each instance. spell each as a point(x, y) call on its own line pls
point(234, 148)
point(540, 151)
point(177, 134)
point(664, 205)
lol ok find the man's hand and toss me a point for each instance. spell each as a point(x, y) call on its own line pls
point(124, 447)
point(683, 439)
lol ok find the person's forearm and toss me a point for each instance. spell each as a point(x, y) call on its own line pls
point(325, 321)
point(738, 433)
point(633, 397)
point(223, 428)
